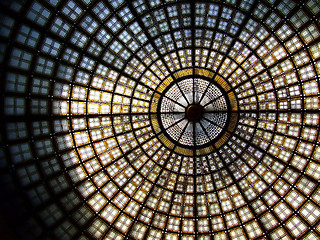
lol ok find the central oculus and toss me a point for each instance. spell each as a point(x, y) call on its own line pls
point(194, 112)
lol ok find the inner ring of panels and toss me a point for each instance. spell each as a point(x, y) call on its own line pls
point(173, 106)
point(81, 87)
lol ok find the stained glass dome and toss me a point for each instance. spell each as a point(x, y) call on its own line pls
point(160, 119)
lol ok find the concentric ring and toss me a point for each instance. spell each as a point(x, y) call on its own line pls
point(160, 119)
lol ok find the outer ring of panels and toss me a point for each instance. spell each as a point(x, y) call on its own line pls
point(83, 155)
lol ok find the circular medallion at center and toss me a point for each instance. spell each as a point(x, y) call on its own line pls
point(194, 112)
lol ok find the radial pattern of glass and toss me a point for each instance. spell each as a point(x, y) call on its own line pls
point(193, 112)
point(160, 119)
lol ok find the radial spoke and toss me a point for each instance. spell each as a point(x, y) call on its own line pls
point(171, 113)
point(212, 122)
point(175, 123)
point(175, 101)
point(198, 93)
point(211, 101)
point(204, 130)
point(183, 94)
point(193, 91)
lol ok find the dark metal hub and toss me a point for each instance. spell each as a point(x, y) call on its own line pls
point(194, 112)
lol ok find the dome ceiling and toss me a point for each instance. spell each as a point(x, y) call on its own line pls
point(160, 119)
